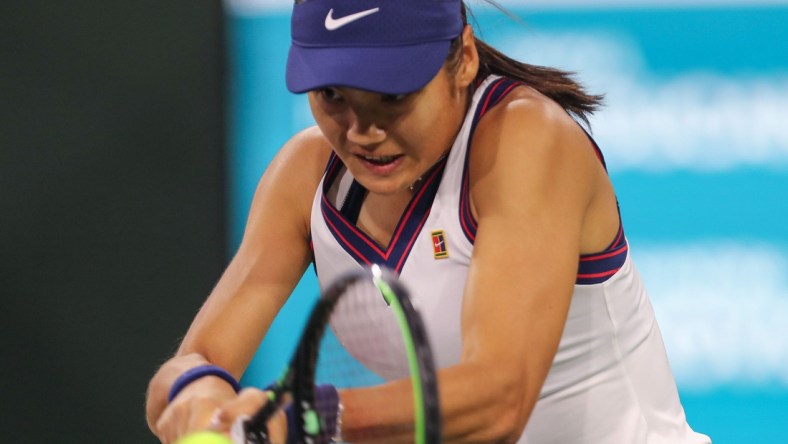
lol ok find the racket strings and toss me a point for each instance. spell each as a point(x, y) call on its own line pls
point(363, 347)
point(364, 338)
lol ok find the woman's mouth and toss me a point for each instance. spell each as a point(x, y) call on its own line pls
point(381, 164)
point(379, 160)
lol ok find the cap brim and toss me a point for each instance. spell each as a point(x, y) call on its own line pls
point(387, 70)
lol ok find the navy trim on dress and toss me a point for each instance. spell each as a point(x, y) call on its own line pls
point(599, 267)
point(593, 268)
point(364, 249)
point(494, 94)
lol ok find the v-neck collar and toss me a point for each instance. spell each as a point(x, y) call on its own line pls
point(363, 248)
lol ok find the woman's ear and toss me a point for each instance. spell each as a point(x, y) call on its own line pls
point(469, 64)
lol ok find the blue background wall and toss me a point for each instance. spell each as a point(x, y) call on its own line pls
point(696, 139)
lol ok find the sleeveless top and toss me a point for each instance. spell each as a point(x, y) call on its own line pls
point(610, 381)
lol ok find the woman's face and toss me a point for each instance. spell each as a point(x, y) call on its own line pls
point(388, 141)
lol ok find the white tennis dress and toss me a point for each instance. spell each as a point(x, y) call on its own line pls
point(610, 381)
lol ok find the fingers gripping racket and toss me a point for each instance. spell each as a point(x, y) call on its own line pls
point(376, 336)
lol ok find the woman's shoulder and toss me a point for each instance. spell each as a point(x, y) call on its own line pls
point(525, 107)
point(304, 157)
point(529, 143)
point(527, 122)
point(295, 171)
point(283, 199)
point(307, 147)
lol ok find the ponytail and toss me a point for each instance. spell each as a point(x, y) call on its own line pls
point(554, 83)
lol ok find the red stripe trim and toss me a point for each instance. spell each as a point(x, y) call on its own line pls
point(598, 153)
point(395, 238)
point(333, 164)
point(598, 275)
point(507, 90)
point(604, 255)
point(489, 96)
point(471, 224)
point(619, 235)
point(348, 244)
point(409, 212)
point(597, 150)
point(410, 244)
point(465, 205)
point(360, 234)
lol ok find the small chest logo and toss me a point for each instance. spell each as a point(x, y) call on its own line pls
point(439, 250)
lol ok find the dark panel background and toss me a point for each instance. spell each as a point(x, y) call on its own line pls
point(112, 213)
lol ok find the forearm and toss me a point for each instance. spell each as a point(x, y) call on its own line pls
point(486, 403)
point(479, 403)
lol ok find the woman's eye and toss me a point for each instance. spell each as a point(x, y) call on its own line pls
point(330, 94)
point(393, 97)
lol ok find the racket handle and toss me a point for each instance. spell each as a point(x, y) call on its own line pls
point(243, 432)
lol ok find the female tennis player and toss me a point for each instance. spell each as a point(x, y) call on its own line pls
point(468, 174)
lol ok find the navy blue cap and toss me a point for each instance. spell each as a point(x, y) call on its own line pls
point(386, 46)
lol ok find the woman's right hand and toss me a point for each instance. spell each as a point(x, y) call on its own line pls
point(194, 409)
point(198, 412)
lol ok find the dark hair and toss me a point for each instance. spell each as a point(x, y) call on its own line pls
point(554, 83)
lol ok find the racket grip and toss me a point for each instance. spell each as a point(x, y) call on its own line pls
point(244, 431)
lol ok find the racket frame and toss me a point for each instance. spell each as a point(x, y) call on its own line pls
point(298, 378)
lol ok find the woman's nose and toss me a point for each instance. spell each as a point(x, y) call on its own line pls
point(365, 133)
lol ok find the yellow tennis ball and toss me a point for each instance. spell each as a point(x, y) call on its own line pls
point(204, 438)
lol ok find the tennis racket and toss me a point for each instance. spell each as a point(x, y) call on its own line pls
point(376, 337)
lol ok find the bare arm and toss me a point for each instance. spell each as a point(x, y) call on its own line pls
point(533, 176)
point(271, 259)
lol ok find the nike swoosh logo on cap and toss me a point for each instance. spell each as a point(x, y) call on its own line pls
point(332, 23)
